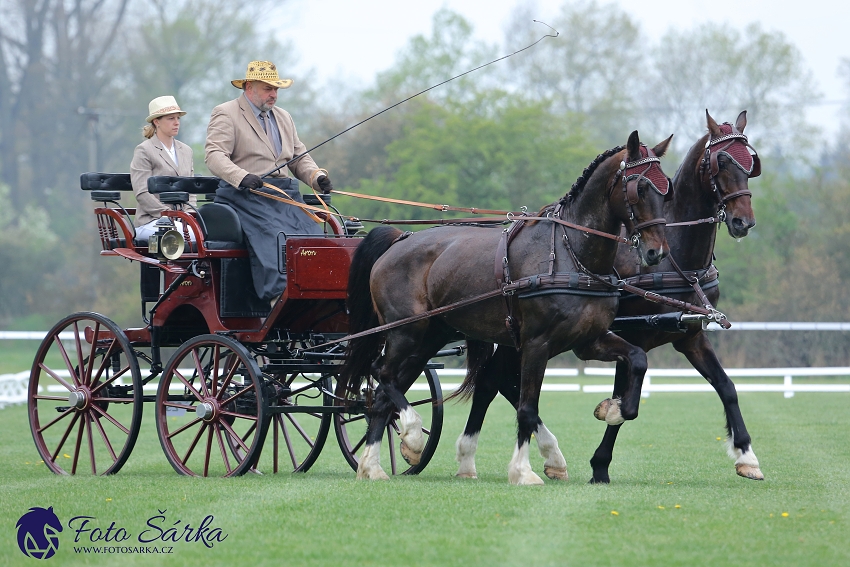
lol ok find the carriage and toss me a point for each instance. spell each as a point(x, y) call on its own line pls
point(236, 385)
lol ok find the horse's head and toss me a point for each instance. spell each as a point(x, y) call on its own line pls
point(639, 202)
point(728, 162)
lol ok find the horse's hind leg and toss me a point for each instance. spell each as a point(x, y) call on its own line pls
point(605, 452)
point(701, 355)
point(533, 368)
point(369, 467)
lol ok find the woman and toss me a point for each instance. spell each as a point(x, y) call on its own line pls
point(160, 154)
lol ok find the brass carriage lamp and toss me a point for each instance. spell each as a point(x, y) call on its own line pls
point(167, 242)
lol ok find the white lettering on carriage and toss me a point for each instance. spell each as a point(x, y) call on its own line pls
point(305, 252)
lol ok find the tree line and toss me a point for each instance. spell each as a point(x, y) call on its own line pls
point(75, 79)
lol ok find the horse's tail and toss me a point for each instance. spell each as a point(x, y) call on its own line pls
point(478, 354)
point(361, 353)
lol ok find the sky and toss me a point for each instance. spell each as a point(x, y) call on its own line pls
point(352, 40)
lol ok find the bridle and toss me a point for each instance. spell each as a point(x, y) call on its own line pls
point(647, 167)
point(709, 167)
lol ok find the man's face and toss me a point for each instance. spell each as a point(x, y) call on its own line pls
point(262, 95)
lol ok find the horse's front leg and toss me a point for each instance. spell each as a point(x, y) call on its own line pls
point(623, 406)
point(380, 413)
point(701, 355)
point(625, 399)
point(533, 368)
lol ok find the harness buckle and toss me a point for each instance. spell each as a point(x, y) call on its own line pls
point(635, 240)
point(721, 214)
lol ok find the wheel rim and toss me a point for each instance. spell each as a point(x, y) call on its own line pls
point(85, 396)
point(297, 438)
point(350, 427)
point(211, 412)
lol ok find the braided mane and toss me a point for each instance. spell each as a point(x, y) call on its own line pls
point(579, 184)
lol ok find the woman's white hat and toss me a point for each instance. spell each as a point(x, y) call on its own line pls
point(162, 105)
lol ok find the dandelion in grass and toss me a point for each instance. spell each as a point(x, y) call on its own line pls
point(784, 514)
point(109, 499)
point(66, 455)
point(719, 438)
point(661, 508)
point(677, 506)
point(615, 513)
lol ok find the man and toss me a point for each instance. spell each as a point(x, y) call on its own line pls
point(246, 138)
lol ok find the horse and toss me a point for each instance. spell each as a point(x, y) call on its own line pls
point(711, 186)
point(448, 271)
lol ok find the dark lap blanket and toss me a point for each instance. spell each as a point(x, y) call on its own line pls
point(263, 219)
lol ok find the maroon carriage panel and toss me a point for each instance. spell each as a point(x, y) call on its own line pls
point(317, 268)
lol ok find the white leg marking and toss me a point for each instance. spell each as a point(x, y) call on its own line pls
point(465, 447)
point(614, 417)
point(519, 469)
point(746, 462)
point(555, 466)
point(410, 430)
point(369, 467)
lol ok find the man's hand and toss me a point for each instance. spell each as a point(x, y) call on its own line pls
point(251, 181)
point(325, 184)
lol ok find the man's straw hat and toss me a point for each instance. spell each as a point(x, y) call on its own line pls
point(264, 71)
point(162, 105)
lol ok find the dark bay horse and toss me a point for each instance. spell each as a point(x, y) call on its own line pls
point(395, 276)
point(713, 184)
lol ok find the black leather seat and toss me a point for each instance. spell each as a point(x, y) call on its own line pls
point(224, 230)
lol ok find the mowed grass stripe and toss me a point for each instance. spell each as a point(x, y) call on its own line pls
point(670, 456)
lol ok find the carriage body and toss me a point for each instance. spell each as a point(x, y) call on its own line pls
point(222, 367)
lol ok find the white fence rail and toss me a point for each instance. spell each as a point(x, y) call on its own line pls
point(13, 387)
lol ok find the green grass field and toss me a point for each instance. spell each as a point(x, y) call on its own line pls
point(674, 499)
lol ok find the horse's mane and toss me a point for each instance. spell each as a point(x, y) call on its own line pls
point(579, 184)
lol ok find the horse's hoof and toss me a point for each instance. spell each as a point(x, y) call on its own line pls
point(595, 480)
point(749, 471)
point(408, 454)
point(601, 410)
point(556, 473)
point(466, 475)
point(525, 478)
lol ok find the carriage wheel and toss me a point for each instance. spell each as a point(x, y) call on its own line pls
point(297, 438)
point(425, 396)
point(211, 400)
point(85, 396)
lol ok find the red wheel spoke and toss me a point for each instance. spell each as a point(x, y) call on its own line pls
point(237, 394)
point(89, 435)
point(53, 398)
point(96, 421)
point(299, 429)
point(78, 343)
point(230, 373)
point(235, 435)
point(214, 375)
point(114, 377)
point(112, 419)
point(68, 364)
point(223, 450)
point(90, 365)
point(65, 436)
point(391, 442)
point(353, 419)
point(188, 385)
point(57, 377)
point(194, 441)
point(359, 444)
point(240, 415)
point(209, 450)
point(105, 361)
point(184, 428)
point(288, 443)
point(77, 448)
point(277, 422)
point(200, 370)
point(61, 415)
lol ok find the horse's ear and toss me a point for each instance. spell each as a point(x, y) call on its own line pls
point(713, 128)
point(741, 121)
point(662, 147)
point(633, 146)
